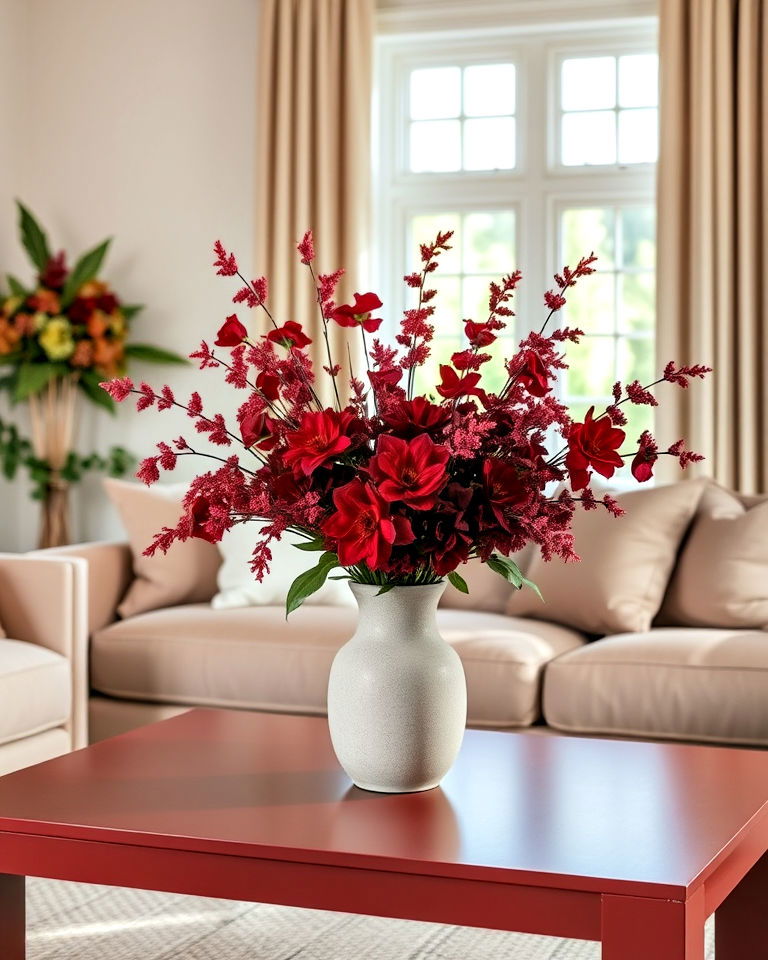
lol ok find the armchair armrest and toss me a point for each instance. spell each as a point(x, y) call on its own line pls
point(43, 600)
point(110, 573)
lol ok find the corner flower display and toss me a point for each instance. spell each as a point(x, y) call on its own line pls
point(397, 489)
point(60, 336)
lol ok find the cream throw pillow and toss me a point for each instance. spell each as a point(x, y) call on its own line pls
point(625, 563)
point(238, 588)
point(721, 578)
point(487, 590)
point(186, 574)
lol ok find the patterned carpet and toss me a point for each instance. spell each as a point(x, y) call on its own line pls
point(72, 921)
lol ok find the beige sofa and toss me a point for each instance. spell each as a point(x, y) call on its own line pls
point(699, 683)
point(43, 658)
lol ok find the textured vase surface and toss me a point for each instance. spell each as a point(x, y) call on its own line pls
point(397, 696)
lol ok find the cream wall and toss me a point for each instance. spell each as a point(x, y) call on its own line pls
point(138, 122)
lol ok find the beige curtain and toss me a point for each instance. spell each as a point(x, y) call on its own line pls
point(713, 231)
point(314, 160)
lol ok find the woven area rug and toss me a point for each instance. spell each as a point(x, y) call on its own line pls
point(73, 921)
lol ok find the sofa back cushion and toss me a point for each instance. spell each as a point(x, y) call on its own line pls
point(619, 584)
point(186, 574)
point(487, 590)
point(721, 578)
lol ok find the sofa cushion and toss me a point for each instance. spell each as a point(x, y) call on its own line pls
point(487, 590)
point(35, 690)
point(252, 657)
point(677, 683)
point(721, 577)
point(186, 574)
point(625, 563)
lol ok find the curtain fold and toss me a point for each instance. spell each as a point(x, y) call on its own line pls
point(313, 155)
point(713, 233)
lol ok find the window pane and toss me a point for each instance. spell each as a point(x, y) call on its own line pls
point(589, 138)
point(475, 301)
point(590, 304)
point(638, 80)
point(435, 93)
point(638, 136)
point(489, 144)
point(638, 237)
point(447, 305)
point(636, 361)
point(489, 90)
point(638, 419)
point(489, 243)
point(637, 303)
point(591, 368)
point(435, 146)
point(428, 376)
point(424, 228)
point(586, 230)
point(588, 83)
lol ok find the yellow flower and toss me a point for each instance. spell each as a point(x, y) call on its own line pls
point(56, 339)
point(11, 305)
point(40, 320)
point(117, 324)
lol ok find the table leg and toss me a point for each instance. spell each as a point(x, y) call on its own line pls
point(637, 928)
point(12, 917)
point(741, 920)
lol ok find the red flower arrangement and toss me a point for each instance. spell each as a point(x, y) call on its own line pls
point(398, 489)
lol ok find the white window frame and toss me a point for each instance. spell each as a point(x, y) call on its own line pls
point(537, 188)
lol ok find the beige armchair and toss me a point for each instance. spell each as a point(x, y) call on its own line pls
point(43, 658)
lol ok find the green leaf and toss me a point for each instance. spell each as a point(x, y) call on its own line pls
point(385, 589)
point(309, 582)
point(129, 310)
point(33, 377)
point(512, 573)
point(314, 545)
point(150, 354)
point(89, 384)
point(16, 287)
point(532, 586)
point(458, 581)
point(86, 268)
point(33, 238)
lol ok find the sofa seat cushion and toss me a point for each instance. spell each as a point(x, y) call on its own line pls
point(252, 657)
point(678, 683)
point(35, 690)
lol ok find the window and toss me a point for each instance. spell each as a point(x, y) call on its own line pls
point(535, 149)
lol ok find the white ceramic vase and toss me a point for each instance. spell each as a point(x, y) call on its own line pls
point(397, 697)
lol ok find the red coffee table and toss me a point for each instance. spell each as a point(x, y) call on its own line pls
point(631, 843)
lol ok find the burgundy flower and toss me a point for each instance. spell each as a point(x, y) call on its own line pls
point(232, 333)
point(503, 489)
point(411, 471)
point(199, 513)
point(454, 386)
point(410, 417)
point(533, 374)
point(646, 456)
point(359, 312)
point(269, 386)
point(479, 334)
point(290, 335)
point(258, 430)
point(363, 528)
point(593, 444)
point(385, 378)
point(55, 273)
point(320, 437)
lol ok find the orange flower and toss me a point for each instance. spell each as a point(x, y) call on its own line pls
point(24, 324)
point(107, 356)
point(45, 301)
point(94, 288)
point(83, 355)
point(9, 336)
point(97, 324)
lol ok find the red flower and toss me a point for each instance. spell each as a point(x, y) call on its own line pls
point(320, 437)
point(385, 378)
point(200, 514)
point(593, 444)
point(232, 333)
point(411, 471)
point(503, 489)
point(410, 417)
point(363, 528)
point(454, 386)
point(258, 430)
point(359, 312)
point(647, 454)
point(55, 273)
point(289, 335)
point(269, 386)
point(533, 374)
point(479, 334)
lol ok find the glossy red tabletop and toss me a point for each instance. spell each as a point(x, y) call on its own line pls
point(586, 814)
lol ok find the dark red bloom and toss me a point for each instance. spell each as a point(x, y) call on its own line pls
point(269, 386)
point(55, 273)
point(647, 454)
point(289, 335)
point(363, 528)
point(232, 333)
point(385, 378)
point(479, 334)
point(359, 312)
point(410, 417)
point(306, 248)
point(258, 430)
point(410, 471)
point(504, 490)
point(321, 436)
point(225, 263)
point(454, 386)
point(199, 513)
point(533, 374)
point(593, 444)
